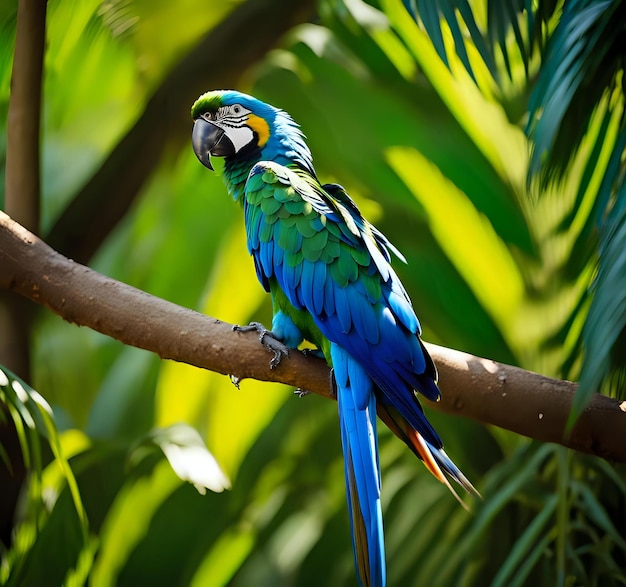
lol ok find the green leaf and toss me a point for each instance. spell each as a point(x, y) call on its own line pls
point(38, 420)
point(34, 421)
point(138, 500)
point(606, 320)
point(227, 555)
point(188, 456)
point(597, 513)
point(464, 235)
point(581, 63)
point(526, 544)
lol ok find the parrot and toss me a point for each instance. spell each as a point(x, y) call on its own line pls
point(328, 271)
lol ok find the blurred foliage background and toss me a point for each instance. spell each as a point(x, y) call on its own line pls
point(484, 138)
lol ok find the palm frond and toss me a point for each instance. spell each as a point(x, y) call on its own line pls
point(503, 19)
point(433, 14)
point(604, 334)
point(579, 100)
point(33, 420)
point(581, 66)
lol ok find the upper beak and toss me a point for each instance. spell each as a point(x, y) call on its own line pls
point(209, 139)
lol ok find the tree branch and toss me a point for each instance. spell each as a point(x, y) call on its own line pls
point(218, 61)
point(487, 391)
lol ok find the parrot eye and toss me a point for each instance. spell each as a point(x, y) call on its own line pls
point(236, 109)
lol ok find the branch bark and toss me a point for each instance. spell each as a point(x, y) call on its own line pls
point(490, 392)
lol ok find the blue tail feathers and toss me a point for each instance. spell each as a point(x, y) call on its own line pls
point(357, 416)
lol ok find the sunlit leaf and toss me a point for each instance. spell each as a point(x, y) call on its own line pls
point(189, 457)
point(463, 99)
point(580, 65)
point(464, 235)
point(224, 559)
point(434, 15)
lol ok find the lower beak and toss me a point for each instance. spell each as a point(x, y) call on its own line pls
point(208, 139)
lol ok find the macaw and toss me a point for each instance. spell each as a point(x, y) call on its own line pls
point(329, 274)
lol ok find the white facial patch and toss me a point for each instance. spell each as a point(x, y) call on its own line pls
point(232, 120)
point(240, 136)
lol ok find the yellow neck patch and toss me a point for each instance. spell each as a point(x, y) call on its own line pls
point(260, 127)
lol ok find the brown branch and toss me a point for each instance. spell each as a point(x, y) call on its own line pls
point(218, 61)
point(490, 392)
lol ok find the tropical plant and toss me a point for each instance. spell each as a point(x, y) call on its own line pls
point(423, 110)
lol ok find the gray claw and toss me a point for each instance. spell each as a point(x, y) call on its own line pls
point(268, 339)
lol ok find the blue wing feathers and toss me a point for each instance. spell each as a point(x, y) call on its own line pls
point(342, 313)
point(319, 281)
point(254, 226)
point(260, 273)
point(375, 323)
point(330, 308)
point(402, 309)
point(363, 316)
point(279, 256)
point(305, 292)
point(266, 256)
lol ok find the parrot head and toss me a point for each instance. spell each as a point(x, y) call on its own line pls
point(228, 123)
point(236, 126)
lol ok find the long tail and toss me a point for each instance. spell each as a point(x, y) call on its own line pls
point(435, 458)
point(357, 416)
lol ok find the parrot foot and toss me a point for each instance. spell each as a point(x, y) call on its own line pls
point(301, 392)
point(268, 339)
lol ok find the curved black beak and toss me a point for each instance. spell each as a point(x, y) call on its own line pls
point(208, 139)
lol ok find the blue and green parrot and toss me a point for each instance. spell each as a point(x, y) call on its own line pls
point(329, 274)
